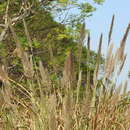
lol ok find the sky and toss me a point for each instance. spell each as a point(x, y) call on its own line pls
point(100, 23)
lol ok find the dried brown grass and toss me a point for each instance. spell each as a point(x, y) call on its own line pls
point(104, 108)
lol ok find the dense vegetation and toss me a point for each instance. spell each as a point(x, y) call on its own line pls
point(48, 40)
point(49, 78)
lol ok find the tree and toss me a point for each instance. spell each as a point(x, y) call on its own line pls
point(51, 41)
point(71, 13)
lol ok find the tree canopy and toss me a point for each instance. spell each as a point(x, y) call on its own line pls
point(44, 35)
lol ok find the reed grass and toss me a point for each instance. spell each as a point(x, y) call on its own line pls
point(46, 105)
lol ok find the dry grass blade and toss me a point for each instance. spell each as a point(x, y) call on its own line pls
point(111, 30)
point(125, 35)
point(22, 88)
point(67, 110)
point(52, 113)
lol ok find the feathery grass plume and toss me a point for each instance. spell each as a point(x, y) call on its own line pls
point(108, 61)
point(119, 57)
point(19, 50)
point(27, 65)
point(95, 76)
point(27, 35)
point(92, 111)
point(68, 73)
point(26, 60)
point(111, 29)
point(81, 42)
point(110, 67)
point(116, 56)
point(123, 43)
point(51, 53)
point(88, 90)
point(44, 75)
point(122, 64)
point(109, 55)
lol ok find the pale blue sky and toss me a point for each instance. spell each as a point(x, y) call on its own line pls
point(100, 22)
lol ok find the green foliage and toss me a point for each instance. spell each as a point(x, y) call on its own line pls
point(87, 8)
point(72, 12)
point(3, 50)
point(51, 41)
point(99, 1)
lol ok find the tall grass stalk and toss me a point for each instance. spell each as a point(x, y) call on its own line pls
point(66, 104)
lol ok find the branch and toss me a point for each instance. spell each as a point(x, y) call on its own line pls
point(26, 12)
